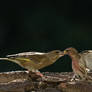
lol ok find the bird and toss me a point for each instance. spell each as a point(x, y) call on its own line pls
point(33, 61)
point(80, 62)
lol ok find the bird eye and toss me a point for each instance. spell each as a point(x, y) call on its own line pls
point(68, 50)
point(57, 52)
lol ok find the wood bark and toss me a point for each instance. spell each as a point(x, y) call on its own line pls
point(24, 81)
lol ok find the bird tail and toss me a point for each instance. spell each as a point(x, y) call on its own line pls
point(8, 59)
point(4, 59)
point(11, 60)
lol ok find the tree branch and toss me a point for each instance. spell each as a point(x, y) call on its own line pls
point(24, 81)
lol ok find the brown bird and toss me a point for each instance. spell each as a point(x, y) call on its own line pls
point(80, 62)
point(33, 61)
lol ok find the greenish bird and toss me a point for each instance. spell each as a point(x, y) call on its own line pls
point(33, 61)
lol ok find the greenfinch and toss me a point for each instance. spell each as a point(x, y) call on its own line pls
point(33, 61)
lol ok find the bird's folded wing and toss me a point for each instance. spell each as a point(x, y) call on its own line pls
point(35, 57)
point(87, 56)
point(25, 54)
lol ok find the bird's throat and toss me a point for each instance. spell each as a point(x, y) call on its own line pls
point(74, 57)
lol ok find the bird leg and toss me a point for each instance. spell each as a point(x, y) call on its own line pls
point(35, 75)
point(38, 73)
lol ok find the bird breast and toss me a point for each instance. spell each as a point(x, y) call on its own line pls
point(75, 65)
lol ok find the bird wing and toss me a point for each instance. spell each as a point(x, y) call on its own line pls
point(34, 57)
point(87, 58)
point(25, 54)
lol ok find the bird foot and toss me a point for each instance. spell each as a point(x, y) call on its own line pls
point(74, 78)
point(39, 74)
point(35, 75)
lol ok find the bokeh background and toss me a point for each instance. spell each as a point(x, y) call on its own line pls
point(44, 26)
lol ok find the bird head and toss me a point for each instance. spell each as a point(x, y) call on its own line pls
point(55, 54)
point(70, 51)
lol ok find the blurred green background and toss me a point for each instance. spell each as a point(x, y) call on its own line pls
point(44, 26)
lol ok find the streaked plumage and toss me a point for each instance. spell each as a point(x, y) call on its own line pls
point(87, 58)
point(33, 61)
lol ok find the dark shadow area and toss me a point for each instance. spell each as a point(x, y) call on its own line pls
point(45, 26)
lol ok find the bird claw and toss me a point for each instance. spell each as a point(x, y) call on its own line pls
point(35, 75)
point(39, 74)
point(74, 78)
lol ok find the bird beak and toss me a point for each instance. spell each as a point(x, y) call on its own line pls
point(61, 54)
point(65, 52)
